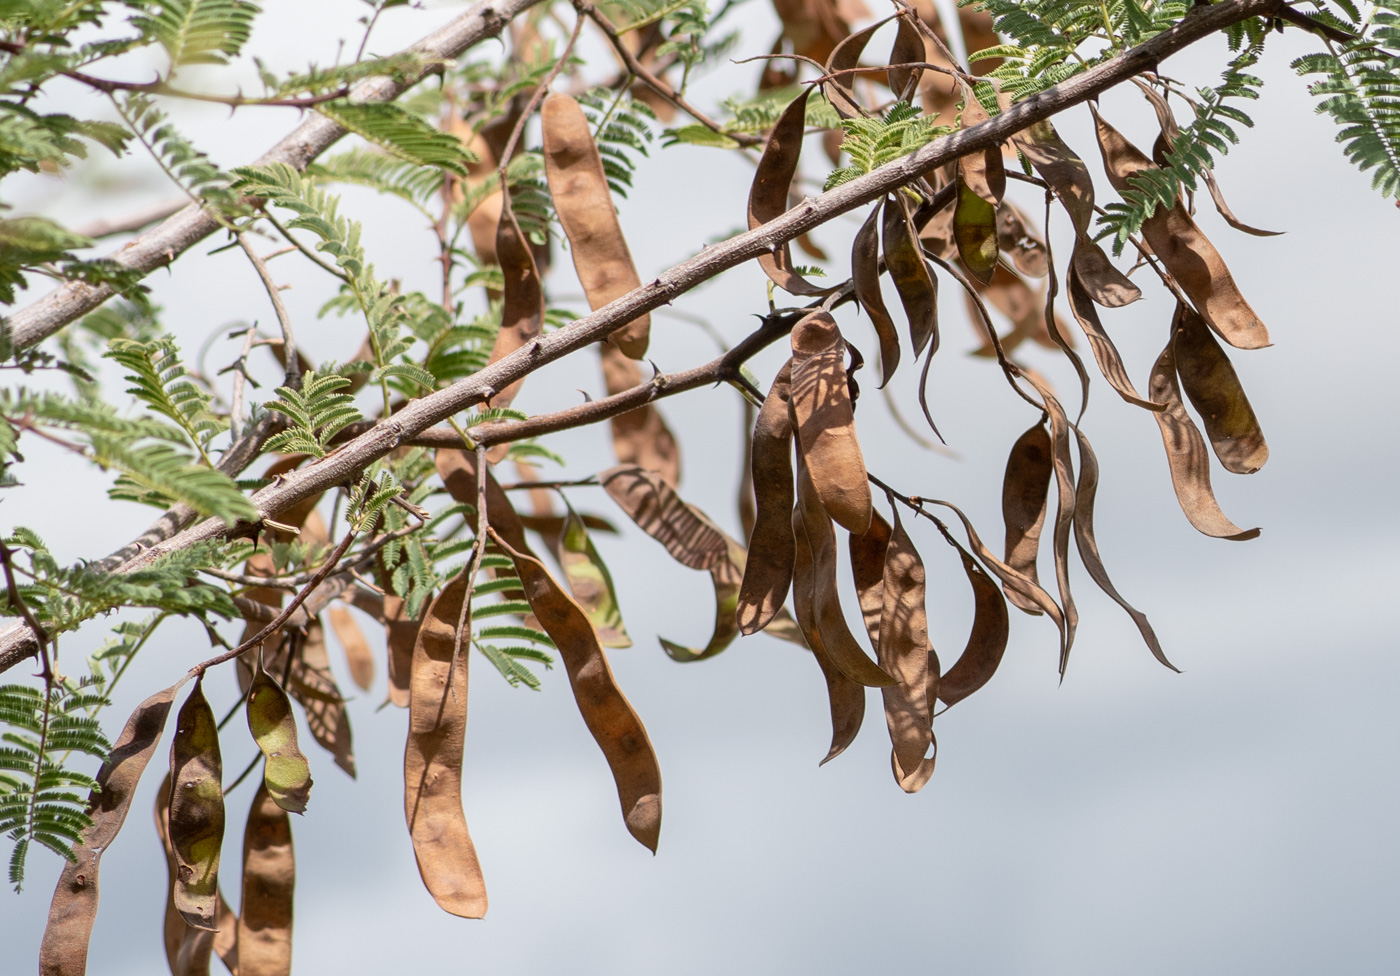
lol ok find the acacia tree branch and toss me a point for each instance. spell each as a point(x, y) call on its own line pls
point(161, 245)
point(419, 415)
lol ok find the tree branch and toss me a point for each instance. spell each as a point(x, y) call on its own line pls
point(161, 245)
point(419, 415)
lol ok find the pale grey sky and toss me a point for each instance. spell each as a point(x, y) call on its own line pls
point(1235, 818)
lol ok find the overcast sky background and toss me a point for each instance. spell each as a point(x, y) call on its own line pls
point(1239, 817)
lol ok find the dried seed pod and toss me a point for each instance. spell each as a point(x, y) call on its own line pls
point(1010, 295)
point(822, 416)
point(1064, 509)
point(1214, 390)
point(985, 644)
point(269, 877)
point(1016, 239)
point(352, 641)
point(1186, 452)
point(908, 49)
point(639, 436)
point(839, 90)
point(432, 760)
point(768, 197)
point(64, 949)
point(868, 571)
point(312, 684)
point(196, 809)
point(768, 569)
point(983, 172)
point(904, 650)
point(579, 188)
point(590, 582)
point(918, 289)
point(1025, 491)
point(845, 697)
point(1069, 178)
point(1185, 252)
point(458, 472)
point(522, 315)
point(840, 645)
point(286, 773)
point(605, 710)
point(188, 949)
point(400, 633)
point(865, 274)
point(975, 230)
point(1105, 352)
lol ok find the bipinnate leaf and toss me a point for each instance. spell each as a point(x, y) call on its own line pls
point(839, 643)
point(1025, 490)
point(590, 582)
point(605, 710)
point(269, 877)
point(64, 949)
point(579, 188)
point(768, 570)
point(286, 773)
point(1069, 178)
point(1214, 389)
point(1186, 451)
point(522, 314)
point(196, 810)
point(824, 420)
point(1183, 250)
point(985, 644)
point(768, 196)
point(918, 289)
point(845, 697)
point(432, 760)
point(639, 436)
point(353, 643)
point(865, 275)
point(905, 651)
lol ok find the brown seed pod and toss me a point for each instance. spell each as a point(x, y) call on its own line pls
point(908, 49)
point(196, 809)
point(269, 877)
point(865, 274)
point(188, 949)
point(432, 762)
point(352, 641)
point(1214, 390)
point(868, 572)
point(1105, 352)
point(985, 644)
point(904, 650)
point(918, 289)
point(1025, 490)
point(579, 188)
point(768, 569)
point(605, 710)
point(639, 436)
point(522, 315)
point(822, 416)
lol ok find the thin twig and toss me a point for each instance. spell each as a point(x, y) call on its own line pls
point(240, 381)
point(289, 342)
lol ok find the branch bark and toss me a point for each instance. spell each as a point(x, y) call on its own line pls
point(345, 463)
point(163, 244)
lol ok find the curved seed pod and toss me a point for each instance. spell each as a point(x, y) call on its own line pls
point(768, 197)
point(352, 641)
point(1016, 239)
point(975, 231)
point(987, 642)
point(840, 644)
point(868, 571)
point(1186, 452)
point(196, 809)
point(983, 171)
point(187, 949)
point(908, 49)
point(845, 697)
point(1185, 252)
point(269, 876)
point(692, 539)
point(768, 570)
point(918, 289)
point(1214, 390)
point(286, 773)
point(865, 274)
point(1064, 510)
point(747, 501)
point(64, 949)
point(522, 315)
point(639, 436)
point(605, 710)
point(400, 632)
point(822, 416)
point(1105, 352)
point(1084, 496)
point(458, 472)
point(590, 582)
point(1025, 491)
point(904, 649)
point(579, 189)
point(846, 55)
point(1067, 175)
point(432, 759)
point(312, 684)
point(1008, 576)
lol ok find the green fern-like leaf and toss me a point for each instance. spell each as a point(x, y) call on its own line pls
point(872, 142)
point(622, 128)
point(197, 31)
point(187, 166)
point(25, 243)
point(399, 132)
point(162, 384)
point(317, 412)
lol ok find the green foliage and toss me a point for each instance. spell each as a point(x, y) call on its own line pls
point(317, 412)
point(621, 127)
point(25, 243)
point(162, 384)
point(872, 142)
point(41, 800)
point(1359, 83)
point(196, 31)
point(187, 166)
point(320, 81)
point(400, 133)
point(381, 172)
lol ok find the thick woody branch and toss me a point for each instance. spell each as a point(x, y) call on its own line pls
point(163, 244)
point(344, 464)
